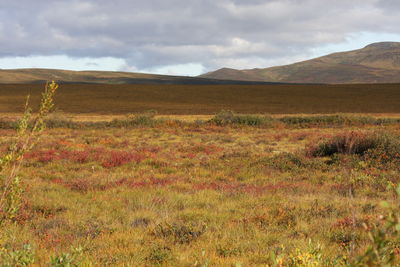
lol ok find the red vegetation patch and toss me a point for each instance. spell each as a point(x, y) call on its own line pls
point(43, 156)
point(80, 156)
point(118, 158)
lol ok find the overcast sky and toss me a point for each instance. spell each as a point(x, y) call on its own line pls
point(186, 37)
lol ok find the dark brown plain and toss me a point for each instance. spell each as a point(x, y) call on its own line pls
point(209, 99)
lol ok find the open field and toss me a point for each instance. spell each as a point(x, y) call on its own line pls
point(209, 99)
point(186, 188)
point(195, 194)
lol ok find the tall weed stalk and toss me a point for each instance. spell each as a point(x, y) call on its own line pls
point(27, 136)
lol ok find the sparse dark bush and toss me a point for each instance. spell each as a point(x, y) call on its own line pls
point(159, 255)
point(58, 119)
point(284, 161)
point(229, 117)
point(344, 238)
point(8, 124)
point(145, 119)
point(313, 120)
point(227, 251)
point(358, 143)
point(61, 123)
point(223, 118)
point(336, 120)
point(179, 233)
point(140, 222)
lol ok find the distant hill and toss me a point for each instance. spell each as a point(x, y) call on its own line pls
point(375, 63)
point(25, 76)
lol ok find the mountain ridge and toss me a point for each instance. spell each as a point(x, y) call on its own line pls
point(375, 63)
point(41, 75)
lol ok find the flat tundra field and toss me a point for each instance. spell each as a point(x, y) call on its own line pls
point(190, 188)
point(209, 99)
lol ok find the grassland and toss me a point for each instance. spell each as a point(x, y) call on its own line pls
point(209, 99)
point(201, 194)
point(186, 188)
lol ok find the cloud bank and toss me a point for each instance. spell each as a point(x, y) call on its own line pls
point(154, 34)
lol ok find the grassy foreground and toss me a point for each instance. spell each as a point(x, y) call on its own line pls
point(204, 194)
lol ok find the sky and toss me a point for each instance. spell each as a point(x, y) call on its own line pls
point(186, 37)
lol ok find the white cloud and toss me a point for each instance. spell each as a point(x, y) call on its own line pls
point(159, 34)
point(54, 62)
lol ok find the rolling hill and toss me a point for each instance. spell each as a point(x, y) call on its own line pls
point(33, 76)
point(375, 63)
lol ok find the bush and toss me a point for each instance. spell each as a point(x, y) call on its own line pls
point(229, 117)
point(8, 124)
point(159, 255)
point(357, 143)
point(313, 120)
point(179, 233)
point(284, 162)
point(146, 119)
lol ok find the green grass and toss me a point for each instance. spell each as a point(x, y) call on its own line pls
point(210, 99)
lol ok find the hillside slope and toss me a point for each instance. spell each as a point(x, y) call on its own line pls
point(29, 76)
point(375, 63)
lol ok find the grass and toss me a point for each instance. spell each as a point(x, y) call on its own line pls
point(210, 99)
point(184, 194)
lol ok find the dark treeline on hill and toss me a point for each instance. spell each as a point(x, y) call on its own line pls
point(209, 99)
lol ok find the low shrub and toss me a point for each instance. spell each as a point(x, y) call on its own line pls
point(336, 120)
point(313, 120)
point(61, 123)
point(228, 251)
point(284, 162)
point(179, 233)
point(8, 124)
point(145, 119)
point(118, 158)
point(358, 143)
point(292, 162)
point(229, 117)
point(159, 255)
point(148, 119)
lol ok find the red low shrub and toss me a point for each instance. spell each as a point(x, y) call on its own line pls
point(118, 158)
